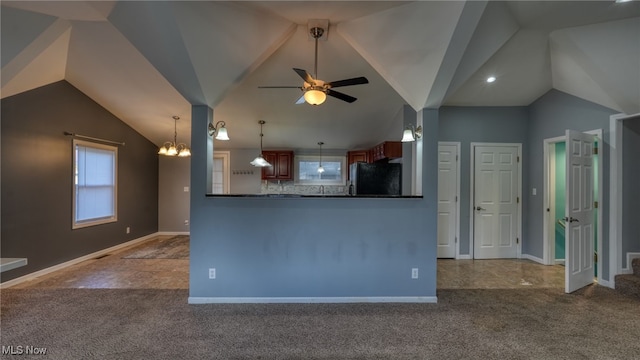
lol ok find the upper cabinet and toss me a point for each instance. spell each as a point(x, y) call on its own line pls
point(386, 150)
point(282, 165)
point(357, 156)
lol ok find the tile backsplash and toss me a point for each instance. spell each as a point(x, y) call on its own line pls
point(290, 187)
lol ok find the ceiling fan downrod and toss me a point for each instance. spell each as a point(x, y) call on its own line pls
point(316, 32)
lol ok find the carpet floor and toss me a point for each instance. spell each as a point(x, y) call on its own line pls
point(593, 323)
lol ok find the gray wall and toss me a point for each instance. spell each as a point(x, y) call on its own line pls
point(631, 190)
point(173, 201)
point(37, 178)
point(275, 247)
point(550, 116)
point(409, 117)
point(480, 124)
point(245, 178)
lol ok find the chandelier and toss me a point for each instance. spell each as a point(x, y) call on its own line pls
point(172, 148)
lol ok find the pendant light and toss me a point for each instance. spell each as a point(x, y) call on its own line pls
point(259, 161)
point(320, 168)
point(172, 148)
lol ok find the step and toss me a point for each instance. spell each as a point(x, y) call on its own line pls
point(635, 265)
point(628, 285)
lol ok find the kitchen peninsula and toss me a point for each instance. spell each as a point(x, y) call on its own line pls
point(315, 196)
point(275, 248)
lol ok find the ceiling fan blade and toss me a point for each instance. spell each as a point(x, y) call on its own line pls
point(348, 82)
point(300, 100)
point(280, 87)
point(305, 76)
point(341, 96)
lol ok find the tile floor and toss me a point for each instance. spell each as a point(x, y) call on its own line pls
point(114, 271)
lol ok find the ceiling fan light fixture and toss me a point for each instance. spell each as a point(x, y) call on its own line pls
point(315, 97)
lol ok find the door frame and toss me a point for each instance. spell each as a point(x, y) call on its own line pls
point(472, 196)
point(226, 165)
point(458, 161)
point(548, 242)
point(615, 196)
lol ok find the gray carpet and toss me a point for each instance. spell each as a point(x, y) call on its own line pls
point(176, 247)
point(596, 323)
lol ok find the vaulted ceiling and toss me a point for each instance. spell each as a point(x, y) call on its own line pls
point(146, 61)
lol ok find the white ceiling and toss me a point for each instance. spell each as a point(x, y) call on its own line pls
point(146, 61)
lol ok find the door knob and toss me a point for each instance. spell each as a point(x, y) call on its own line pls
point(571, 219)
point(480, 208)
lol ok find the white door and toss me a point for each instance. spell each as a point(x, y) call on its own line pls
point(579, 271)
point(447, 200)
point(495, 220)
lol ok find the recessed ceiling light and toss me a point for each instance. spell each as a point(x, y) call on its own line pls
point(491, 79)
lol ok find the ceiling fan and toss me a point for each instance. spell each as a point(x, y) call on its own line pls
point(316, 90)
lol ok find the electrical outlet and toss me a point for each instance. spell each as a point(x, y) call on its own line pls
point(186, 222)
point(212, 273)
point(414, 273)
point(128, 230)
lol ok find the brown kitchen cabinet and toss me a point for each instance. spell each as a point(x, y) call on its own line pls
point(386, 150)
point(282, 165)
point(356, 156)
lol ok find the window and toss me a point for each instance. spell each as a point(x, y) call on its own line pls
point(94, 184)
point(307, 170)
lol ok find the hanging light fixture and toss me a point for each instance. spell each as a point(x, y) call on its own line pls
point(220, 129)
point(170, 148)
point(411, 134)
point(259, 161)
point(314, 96)
point(320, 168)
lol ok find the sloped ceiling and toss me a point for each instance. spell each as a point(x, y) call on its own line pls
point(146, 61)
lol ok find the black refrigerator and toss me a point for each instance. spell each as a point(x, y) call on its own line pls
point(376, 178)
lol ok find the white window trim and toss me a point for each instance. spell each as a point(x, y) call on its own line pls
point(97, 221)
point(329, 158)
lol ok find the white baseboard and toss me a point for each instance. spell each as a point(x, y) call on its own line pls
point(533, 258)
point(630, 256)
point(311, 300)
point(65, 264)
point(464, 257)
point(174, 233)
point(607, 283)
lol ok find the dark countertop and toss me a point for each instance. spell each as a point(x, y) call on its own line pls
point(332, 196)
